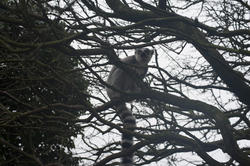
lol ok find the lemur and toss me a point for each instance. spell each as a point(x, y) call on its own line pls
point(121, 80)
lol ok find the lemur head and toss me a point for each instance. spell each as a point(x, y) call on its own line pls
point(143, 55)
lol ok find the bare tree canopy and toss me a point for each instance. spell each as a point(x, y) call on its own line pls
point(195, 99)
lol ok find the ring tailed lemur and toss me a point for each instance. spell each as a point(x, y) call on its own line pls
point(122, 81)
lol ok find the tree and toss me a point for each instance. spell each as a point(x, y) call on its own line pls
point(196, 96)
point(39, 86)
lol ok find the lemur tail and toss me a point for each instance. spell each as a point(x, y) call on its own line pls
point(129, 123)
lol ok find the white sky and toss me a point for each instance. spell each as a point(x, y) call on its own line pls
point(166, 63)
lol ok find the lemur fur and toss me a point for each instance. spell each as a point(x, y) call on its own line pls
point(121, 80)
